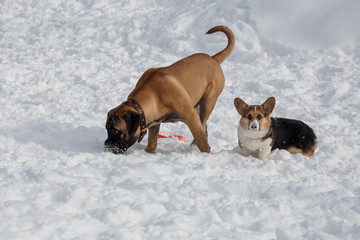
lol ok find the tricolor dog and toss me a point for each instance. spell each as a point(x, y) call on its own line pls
point(260, 133)
point(185, 91)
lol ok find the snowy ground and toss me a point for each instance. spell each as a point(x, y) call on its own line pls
point(64, 64)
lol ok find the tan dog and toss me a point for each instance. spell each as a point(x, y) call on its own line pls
point(184, 91)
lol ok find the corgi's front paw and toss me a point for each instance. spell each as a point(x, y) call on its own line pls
point(245, 152)
point(264, 153)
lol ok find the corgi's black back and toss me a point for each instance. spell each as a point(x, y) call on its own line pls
point(292, 135)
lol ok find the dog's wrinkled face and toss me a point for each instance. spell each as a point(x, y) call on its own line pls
point(122, 126)
point(255, 119)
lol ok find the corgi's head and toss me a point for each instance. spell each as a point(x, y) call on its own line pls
point(255, 119)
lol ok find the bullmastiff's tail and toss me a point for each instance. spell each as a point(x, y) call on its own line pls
point(221, 56)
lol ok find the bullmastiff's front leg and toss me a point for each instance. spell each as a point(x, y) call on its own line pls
point(152, 139)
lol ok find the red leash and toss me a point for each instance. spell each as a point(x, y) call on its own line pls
point(172, 135)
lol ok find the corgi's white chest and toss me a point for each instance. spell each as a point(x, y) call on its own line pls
point(253, 140)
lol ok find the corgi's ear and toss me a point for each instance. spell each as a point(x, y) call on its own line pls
point(240, 106)
point(269, 105)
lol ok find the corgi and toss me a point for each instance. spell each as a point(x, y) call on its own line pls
point(260, 133)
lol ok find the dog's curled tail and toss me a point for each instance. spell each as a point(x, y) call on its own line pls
point(221, 56)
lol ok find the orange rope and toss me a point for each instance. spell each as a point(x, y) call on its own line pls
point(179, 137)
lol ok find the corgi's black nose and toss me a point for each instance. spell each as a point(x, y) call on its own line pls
point(254, 126)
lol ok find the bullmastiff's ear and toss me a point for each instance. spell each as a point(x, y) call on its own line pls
point(132, 122)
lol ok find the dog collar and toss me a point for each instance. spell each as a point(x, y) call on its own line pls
point(143, 129)
point(268, 134)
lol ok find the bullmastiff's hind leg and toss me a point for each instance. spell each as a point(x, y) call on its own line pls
point(192, 120)
point(204, 109)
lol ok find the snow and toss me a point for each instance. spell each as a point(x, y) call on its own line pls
point(65, 64)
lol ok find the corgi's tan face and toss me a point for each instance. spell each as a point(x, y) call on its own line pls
point(255, 119)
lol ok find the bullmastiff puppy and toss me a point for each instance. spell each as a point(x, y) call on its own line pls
point(184, 91)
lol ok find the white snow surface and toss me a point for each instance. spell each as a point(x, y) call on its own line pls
point(65, 64)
